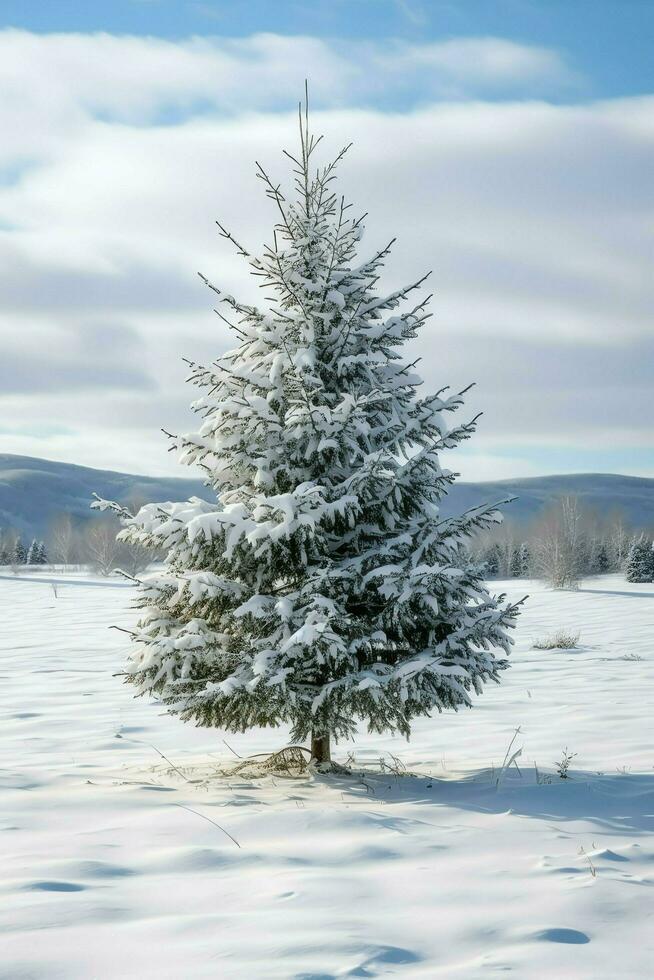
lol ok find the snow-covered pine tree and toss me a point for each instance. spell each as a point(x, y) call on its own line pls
point(640, 564)
point(632, 561)
point(619, 543)
point(33, 553)
point(492, 560)
point(520, 561)
point(20, 555)
point(323, 587)
point(525, 559)
point(42, 556)
point(601, 562)
point(515, 565)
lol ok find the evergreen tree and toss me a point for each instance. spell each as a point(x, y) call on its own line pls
point(42, 558)
point(640, 563)
point(20, 555)
point(516, 563)
point(619, 545)
point(492, 560)
point(525, 559)
point(5, 550)
point(324, 586)
point(33, 553)
point(601, 563)
point(520, 561)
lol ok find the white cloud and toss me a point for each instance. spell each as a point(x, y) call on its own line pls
point(535, 218)
point(52, 82)
point(481, 61)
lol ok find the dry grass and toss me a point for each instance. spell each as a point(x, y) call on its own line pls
point(561, 640)
point(293, 760)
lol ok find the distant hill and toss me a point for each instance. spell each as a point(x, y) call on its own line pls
point(605, 493)
point(33, 491)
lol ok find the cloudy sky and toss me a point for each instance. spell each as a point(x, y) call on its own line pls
point(508, 145)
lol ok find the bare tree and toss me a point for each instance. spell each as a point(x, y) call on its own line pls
point(134, 558)
point(101, 546)
point(506, 549)
point(559, 545)
point(620, 540)
point(63, 539)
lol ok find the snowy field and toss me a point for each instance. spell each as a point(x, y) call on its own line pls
point(114, 865)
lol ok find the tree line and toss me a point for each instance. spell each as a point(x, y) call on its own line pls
point(14, 552)
point(565, 543)
point(71, 541)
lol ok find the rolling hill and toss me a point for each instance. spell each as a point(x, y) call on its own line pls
point(33, 491)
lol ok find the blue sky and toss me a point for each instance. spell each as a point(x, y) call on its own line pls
point(608, 41)
point(509, 146)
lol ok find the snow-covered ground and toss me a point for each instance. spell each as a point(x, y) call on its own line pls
point(114, 866)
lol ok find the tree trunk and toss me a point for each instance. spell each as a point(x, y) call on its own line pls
point(320, 749)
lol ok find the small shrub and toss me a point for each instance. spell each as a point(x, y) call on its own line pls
point(561, 640)
point(563, 765)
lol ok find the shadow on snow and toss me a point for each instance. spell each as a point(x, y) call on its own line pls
point(620, 802)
